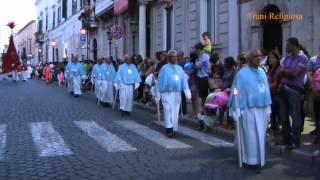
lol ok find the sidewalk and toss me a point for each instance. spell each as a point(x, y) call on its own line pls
point(305, 153)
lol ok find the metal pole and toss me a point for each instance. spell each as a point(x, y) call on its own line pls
point(87, 44)
point(52, 54)
point(134, 43)
point(109, 47)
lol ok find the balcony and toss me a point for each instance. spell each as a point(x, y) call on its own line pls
point(39, 37)
point(88, 19)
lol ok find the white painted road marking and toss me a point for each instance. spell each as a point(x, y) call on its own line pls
point(153, 135)
point(48, 140)
point(207, 139)
point(106, 139)
point(3, 140)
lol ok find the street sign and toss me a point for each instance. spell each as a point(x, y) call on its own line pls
point(83, 38)
point(117, 32)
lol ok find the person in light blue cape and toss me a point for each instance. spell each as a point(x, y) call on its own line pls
point(249, 105)
point(127, 80)
point(96, 79)
point(74, 73)
point(171, 81)
point(108, 75)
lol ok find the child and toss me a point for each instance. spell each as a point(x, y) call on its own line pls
point(61, 78)
point(206, 42)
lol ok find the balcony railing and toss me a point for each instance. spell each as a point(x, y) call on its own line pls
point(39, 37)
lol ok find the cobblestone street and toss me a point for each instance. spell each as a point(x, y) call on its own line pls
point(47, 134)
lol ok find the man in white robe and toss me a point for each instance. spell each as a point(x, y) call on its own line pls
point(24, 73)
point(171, 81)
point(96, 78)
point(250, 107)
point(108, 76)
point(127, 80)
point(74, 74)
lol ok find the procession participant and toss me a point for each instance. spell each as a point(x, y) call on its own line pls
point(15, 73)
point(96, 78)
point(171, 81)
point(68, 77)
point(249, 105)
point(24, 73)
point(74, 74)
point(127, 79)
point(108, 76)
point(47, 70)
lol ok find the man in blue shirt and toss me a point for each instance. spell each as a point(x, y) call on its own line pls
point(202, 65)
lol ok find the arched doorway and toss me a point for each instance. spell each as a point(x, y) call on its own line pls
point(95, 49)
point(57, 55)
point(272, 30)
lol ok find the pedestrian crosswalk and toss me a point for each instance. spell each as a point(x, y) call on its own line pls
point(153, 135)
point(48, 141)
point(106, 139)
point(3, 139)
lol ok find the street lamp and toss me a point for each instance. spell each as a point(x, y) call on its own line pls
point(109, 35)
point(39, 54)
point(53, 45)
point(133, 25)
point(84, 31)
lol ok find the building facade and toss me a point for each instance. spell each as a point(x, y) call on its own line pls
point(24, 41)
point(149, 26)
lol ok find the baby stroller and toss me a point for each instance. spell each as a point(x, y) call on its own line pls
point(87, 84)
point(213, 105)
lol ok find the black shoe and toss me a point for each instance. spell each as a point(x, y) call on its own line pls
point(279, 143)
point(71, 92)
point(127, 113)
point(288, 147)
point(316, 140)
point(313, 133)
point(76, 95)
point(122, 113)
point(106, 104)
point(295, 146)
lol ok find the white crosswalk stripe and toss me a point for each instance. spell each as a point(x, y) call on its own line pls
point(106, 139)
point(48, 140)
point(3, 140)
point(207, 139)
point(152, 135)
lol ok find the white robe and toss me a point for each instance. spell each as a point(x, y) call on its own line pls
point(70, 84)
point(76, 85)
point(126, 97)
point(106, 91)
point(97, 88)
point(24, 75)
point(15, 75)
point(171, 105)
point(253, 126)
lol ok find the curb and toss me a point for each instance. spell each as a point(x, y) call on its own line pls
point(297, 155)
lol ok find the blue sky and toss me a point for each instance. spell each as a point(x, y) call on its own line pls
point(20, 11)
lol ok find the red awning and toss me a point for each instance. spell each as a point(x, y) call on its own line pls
point(120, 6)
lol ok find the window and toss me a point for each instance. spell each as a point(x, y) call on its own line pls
point(40, 25)
point(64, 9)
point(53, 19)
point(74, 6)
point(208, 23)
point(59, 15)
point(47, 21)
